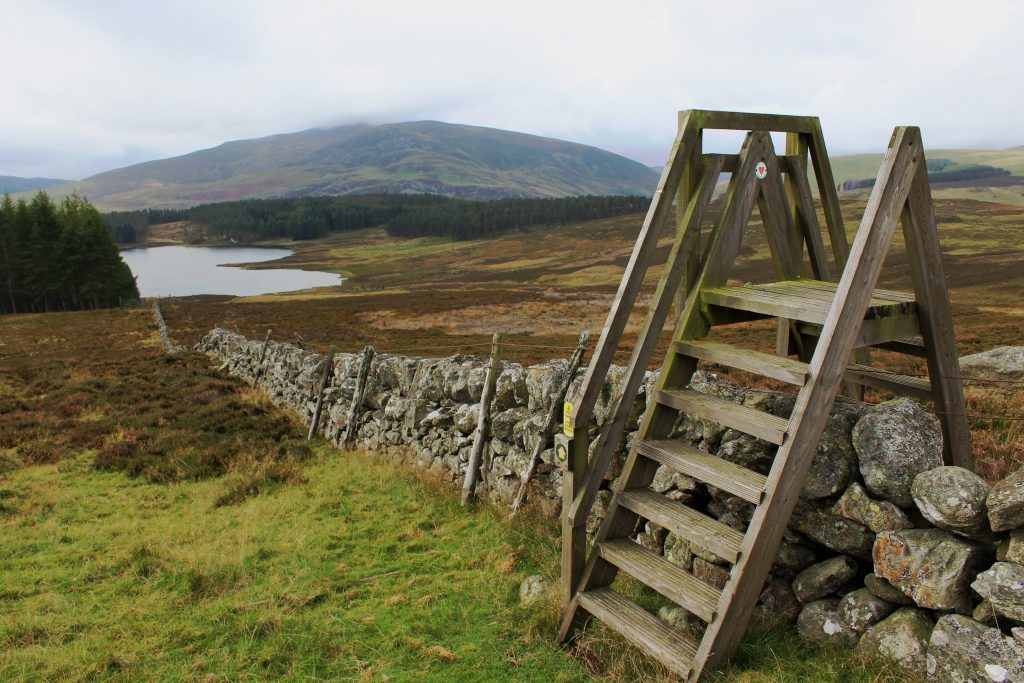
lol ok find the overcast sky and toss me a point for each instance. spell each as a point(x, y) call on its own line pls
point(90, 86)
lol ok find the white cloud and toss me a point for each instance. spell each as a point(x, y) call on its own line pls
point(91, 86)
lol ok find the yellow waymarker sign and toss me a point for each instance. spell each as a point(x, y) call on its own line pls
point(566, 419)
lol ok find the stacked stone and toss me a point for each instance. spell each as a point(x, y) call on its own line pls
point(425, 409)
point(888, 551)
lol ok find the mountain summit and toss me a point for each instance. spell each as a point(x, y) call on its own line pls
point(414, 157)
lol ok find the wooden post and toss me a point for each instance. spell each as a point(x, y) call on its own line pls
point(357, 396)
point(553, 413)
point(324, 381)
point(263, 355)
point(483, 424)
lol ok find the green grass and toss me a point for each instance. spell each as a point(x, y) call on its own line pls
point(364, 571)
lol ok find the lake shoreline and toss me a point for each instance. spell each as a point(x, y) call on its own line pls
point(192, 270)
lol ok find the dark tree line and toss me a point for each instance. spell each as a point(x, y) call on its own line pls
point(403, 215)
point(247, 220)
point(58, 257)
point(940, 171)
point(463, 219)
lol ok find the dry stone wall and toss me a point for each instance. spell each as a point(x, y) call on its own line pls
point(888, 551)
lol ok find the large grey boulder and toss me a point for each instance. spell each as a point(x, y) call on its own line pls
point(1006, 503)
point(510, 390)
point(1003, 362)
point(901, 638)
point(896, 441)
point(1003, 586)
point(953, 498)
point(836, 533)
point(819, 622)
point(855, 504)
point(963, 651)
point(824, 578)
point(835, 462)
point(931, 566)
point(504, 423)
point(746, 451)
point(467, 417)
point(860, 609)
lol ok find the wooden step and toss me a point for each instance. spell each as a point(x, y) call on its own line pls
point(764, 364)
point(694, 526)
point(667, 645)
point(728, 476)
point(675, 583)
point(890, 381)
point(771, 428)
point(805, 300)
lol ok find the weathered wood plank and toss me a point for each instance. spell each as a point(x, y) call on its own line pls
point(356, 407)
point(764, 364)
point(483, 422)
point(889, 381)
point(325, 379)
point(694, 526)
point(728, 476)
point(655, 637)
point(925, 257)
point(829, 199)
point(771, 428)
point(650, 569)
point(731, 120)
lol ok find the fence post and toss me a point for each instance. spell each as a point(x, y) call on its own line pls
point(263, 355)
point(483, 424)
point(324, 381)
point(553, 414)
point(357, 396)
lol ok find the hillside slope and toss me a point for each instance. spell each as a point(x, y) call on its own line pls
point(858, 166)
point(10, 184)
point(422, 156)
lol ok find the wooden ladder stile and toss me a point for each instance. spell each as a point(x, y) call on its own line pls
point(825, 320)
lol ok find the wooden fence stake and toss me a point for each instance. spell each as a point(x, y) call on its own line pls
point(357, 396)
point(554, 413)
point(483, 424)
point(263, 355)
point(325, 379)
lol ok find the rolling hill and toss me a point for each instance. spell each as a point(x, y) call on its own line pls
point(1001, 190)
point(414, 157)
point(10, 184)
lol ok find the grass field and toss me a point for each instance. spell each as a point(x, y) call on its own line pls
point(249, 561)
